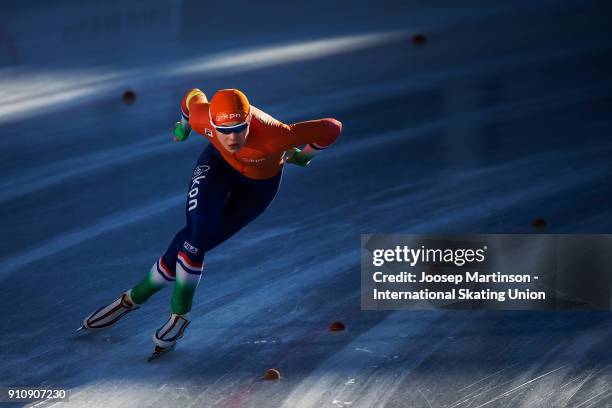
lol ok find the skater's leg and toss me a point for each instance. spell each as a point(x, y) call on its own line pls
point(188, 274)
point(208, 193)
point(220, 203)
point(156, 279)
point(223, 215)
point(259, 194)
point(209, 234)
point(161, 273)
point(169, 257)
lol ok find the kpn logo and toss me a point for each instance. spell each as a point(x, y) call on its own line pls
point(228, 116)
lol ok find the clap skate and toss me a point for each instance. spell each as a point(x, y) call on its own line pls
point(108, 315)
point(166, 336)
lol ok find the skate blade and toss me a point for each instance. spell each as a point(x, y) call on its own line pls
point(156, 354)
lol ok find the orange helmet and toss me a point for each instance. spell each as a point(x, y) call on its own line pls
point(229, 106)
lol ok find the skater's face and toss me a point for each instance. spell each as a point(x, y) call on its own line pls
point(234, 141)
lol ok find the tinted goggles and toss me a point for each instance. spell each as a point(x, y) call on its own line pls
point(226, 130)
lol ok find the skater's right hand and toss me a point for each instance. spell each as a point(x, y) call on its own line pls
point(180, 135)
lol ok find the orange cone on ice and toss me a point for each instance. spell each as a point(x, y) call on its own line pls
point(336, 326)
point(272, 374)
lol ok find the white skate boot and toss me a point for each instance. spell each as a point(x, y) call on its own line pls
point(166, 336)
point(108, 315)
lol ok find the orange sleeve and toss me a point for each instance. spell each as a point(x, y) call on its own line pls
point(195, 109)
point(321, 133)
point(191, 97)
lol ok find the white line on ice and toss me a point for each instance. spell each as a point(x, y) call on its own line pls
point(423, 395)
point(605, 391)
point(276, 55)
point(504, 394)
point(34, 94)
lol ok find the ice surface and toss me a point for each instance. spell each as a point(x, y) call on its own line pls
point(501, 117)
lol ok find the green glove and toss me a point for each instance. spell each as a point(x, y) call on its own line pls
point(298, 158)
point(180, 134)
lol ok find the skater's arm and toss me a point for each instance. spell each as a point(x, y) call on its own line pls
point(189, 106)
point(316, 135)
point(320, 133)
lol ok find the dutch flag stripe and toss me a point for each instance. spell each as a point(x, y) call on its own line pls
point(165, 268)
point(187, 270)
point(188, 262)
point(163, 271)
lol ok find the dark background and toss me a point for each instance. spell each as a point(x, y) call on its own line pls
point(499, 122)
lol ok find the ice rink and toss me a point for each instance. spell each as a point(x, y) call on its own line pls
point(502, 116)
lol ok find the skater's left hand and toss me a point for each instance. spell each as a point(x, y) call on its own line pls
point(297, 157)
